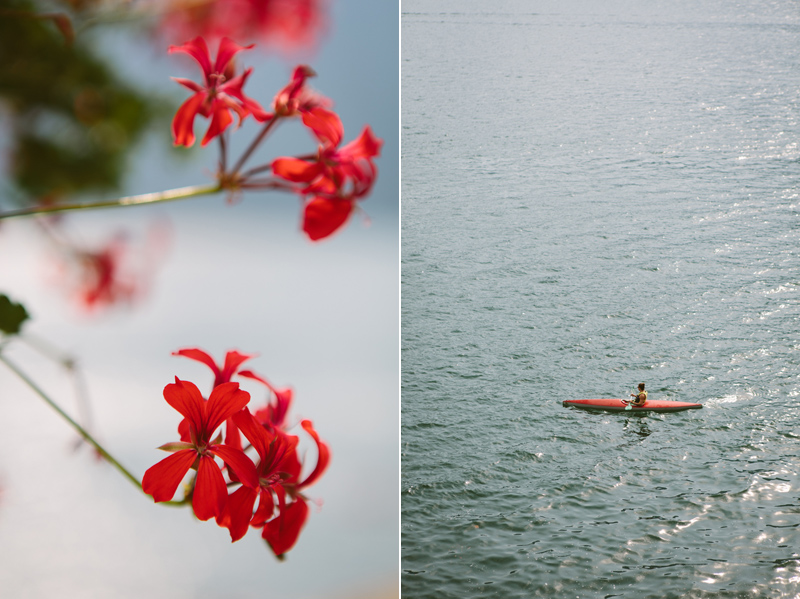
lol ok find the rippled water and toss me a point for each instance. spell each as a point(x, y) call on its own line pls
point(596, 195)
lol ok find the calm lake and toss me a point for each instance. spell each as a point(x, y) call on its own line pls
point(596, 195)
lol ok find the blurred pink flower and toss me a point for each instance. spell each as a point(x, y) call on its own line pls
point(284, 24)
point(116, 274)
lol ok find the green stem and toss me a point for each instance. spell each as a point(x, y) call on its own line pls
point(81, 431)
point(169, 195)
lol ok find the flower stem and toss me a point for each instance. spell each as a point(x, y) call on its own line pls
point(266, 129)
point(223, 154)
point(145, 198)
point(80, 430)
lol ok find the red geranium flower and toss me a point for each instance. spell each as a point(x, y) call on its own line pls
point(337, 178)
point(233, 360)
point(204, 417)
point(282, 510)
point(220, 93)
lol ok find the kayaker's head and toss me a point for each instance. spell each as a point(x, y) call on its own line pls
point(641, 386)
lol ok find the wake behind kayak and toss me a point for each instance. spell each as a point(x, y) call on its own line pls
point(619, 405)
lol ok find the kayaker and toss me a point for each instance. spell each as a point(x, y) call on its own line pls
point(639, 398)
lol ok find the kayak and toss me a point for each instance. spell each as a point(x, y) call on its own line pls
point(619, 405)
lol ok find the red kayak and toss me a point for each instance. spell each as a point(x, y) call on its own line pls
point(621, 405)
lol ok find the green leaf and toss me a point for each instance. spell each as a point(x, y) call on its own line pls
point(11, 316)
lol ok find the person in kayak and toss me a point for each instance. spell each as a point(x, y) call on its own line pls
point(639, 398)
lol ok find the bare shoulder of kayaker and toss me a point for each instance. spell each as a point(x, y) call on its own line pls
point(641, 397)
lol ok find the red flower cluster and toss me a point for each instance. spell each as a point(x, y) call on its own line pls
point(330, 182)
point(287, 24)
point(274, 480)
point(336, 178)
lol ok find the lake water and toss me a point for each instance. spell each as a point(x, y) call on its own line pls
point(597, 195)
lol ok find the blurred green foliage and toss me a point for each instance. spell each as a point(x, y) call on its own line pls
point(12, 315)
point(72, 123)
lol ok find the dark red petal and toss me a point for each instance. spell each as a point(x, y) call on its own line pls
point(220, 119)
point(289, 462)
point(227, 50)
point(283, 399)
point(296, 170)
point(226, 399)
point(183, 123)
point(200, 356)
point(252, 375)
point(185, 430)
point(324, 216)
point(323, 455)
point(325, 124)
point(266, 508)
point(258, 436)
point(162, 480)
point(232, 436)
point(238, 512)
point(323, 186)
point(186, 398)
point(233, 359)
point(237, 461)
point(365, 146)
point(210, 492)
point(282, 532)
point(233, 88)
point(198, 50)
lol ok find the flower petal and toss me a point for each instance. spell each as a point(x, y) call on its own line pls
point(258, 436)
point(276, 411)
point(200, 356)
point(237, 461)
point(227, 50)
point(365, 145)
point(238, 512)
point(225, 400)
point(162, 480)
point(183, 123)
point(325, 124)
point(233, 359)
point(296, 170)
point(220, 119)
point(210, 492)
point(323, 455)
point(282, 532)
point(233, 88)
point(198, 50)
point(186, 398)
point(266, 509)
point(323, 216)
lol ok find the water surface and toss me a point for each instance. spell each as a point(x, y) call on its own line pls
point(597, 195)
